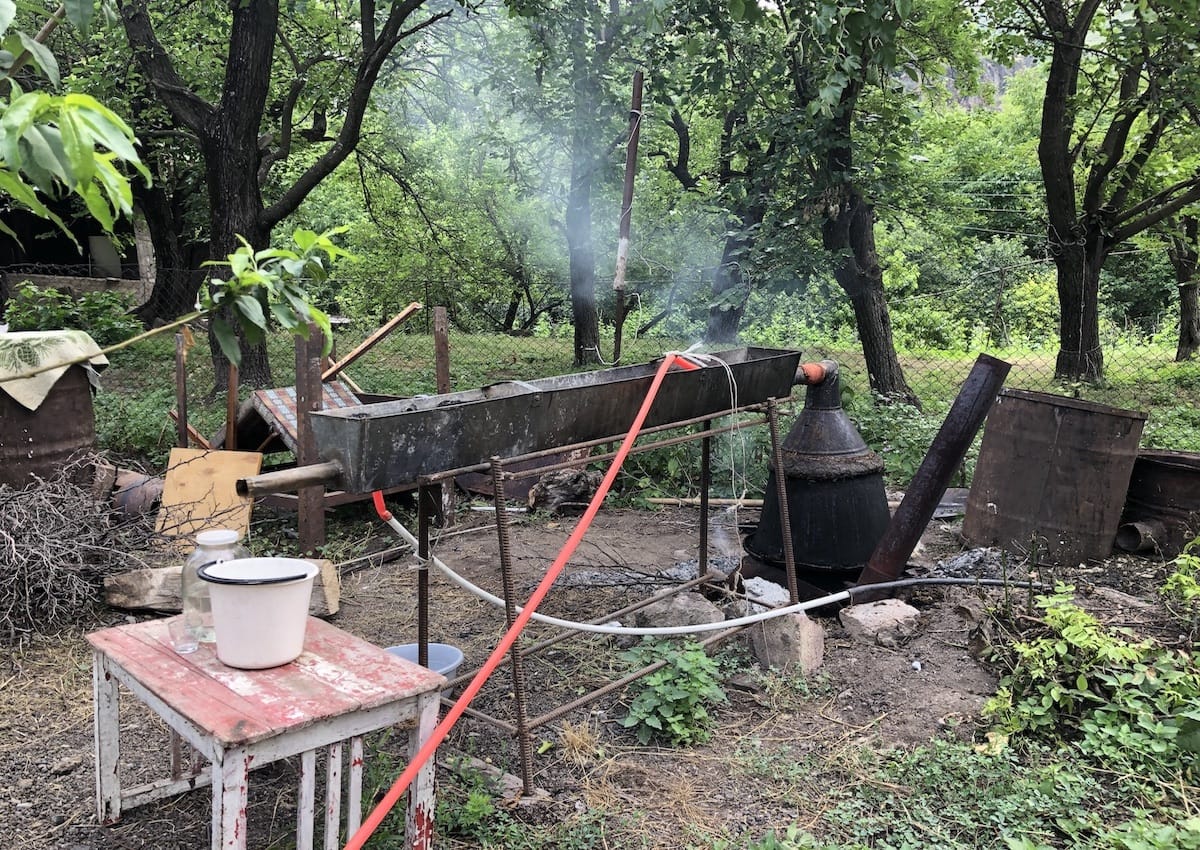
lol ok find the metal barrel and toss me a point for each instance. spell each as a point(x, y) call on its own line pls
point(1051, 477)
point(1162, 506)
point(41, 442)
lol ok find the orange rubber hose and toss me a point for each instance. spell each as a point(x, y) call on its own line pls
point(372, 821)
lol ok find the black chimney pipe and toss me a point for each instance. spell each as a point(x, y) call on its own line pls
point(947, 451)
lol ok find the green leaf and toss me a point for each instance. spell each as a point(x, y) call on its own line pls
point(77, 147)
point(42, 57)
point(228, 340)
point(251, 310)
point(80, 13)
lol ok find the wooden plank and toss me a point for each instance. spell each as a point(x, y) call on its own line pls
point(199, 492)
point(157, 589)
point(144, 651)
point(370, 342)
point(197, 438)
point(333, 795)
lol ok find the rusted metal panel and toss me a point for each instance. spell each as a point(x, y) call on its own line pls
point(1052, 476)
point(392, 443)
point(41, 442)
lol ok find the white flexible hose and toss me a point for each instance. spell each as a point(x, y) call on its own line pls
point(604, 629)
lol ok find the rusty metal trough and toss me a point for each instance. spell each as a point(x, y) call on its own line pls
point(388, 444)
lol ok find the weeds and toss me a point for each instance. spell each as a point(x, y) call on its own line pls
point(671, 704)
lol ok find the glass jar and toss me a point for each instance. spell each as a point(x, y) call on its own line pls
point(212, 547)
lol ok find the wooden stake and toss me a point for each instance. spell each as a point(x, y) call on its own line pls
point(441, 367)
point(310, 513)
point(181, 421)
point(231, 405)
point(635, 123)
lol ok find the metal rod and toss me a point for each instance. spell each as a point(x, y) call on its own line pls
point(424, 521)
point(949, 447)
point(287, 480)
point(785, 514)
point(705, 484)
point(588, 444)
point(515, 654)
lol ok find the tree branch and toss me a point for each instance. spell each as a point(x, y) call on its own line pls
point(367, 73)
point(187, 107)
point(1159, 209)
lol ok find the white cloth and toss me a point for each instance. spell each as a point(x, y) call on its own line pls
point(32, 351)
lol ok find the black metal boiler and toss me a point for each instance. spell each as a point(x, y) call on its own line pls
point(834, 483)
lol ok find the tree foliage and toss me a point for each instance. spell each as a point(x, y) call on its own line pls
point(50, 143)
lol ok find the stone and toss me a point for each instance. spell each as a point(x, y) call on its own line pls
point(684, 609)
point(66, 764)
point(885, 621)
point(765, 593)
point(788, 642)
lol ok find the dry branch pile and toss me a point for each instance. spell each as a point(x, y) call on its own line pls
point(57, 542)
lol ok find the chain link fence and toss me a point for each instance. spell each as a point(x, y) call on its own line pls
point(937, 336)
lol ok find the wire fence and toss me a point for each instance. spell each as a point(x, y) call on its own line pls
point(937, 336)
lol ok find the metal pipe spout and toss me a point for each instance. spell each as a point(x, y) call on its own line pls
point(289, 480)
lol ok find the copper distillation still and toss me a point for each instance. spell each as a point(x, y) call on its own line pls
point(837, 505)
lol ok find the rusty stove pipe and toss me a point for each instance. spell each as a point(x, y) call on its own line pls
point(949, 447)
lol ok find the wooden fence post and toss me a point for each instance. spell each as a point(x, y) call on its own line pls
point(441, 366)
point(310, 509)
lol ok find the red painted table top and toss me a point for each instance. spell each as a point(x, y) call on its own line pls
point(336, 674)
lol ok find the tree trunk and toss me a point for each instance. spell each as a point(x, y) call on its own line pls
point(729, 289)
point(850, 235)
point(583, 266)
point(579, 222)
point(231, 159)
point(1080, 357)
point(177, 273)
point(1185, 258)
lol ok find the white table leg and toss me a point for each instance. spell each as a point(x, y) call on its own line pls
point(354, 791)
point(107, 738)
point(418, 826)
point(306, 804)
point(231, 785)
point(333, 796)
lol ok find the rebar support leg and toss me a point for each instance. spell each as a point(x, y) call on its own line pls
point(785, 516)
point(515, 655)
point(705, 485)
point(427, 507)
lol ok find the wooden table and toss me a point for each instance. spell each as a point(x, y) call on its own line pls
point(339, 689)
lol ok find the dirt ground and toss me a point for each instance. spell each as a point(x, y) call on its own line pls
point(776, 743)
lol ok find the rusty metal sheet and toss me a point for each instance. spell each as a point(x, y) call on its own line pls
point(392, 443)
point(278, 407)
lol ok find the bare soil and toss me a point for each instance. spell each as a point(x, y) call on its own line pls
point(777, 744)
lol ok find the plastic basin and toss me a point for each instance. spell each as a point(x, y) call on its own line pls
point(443, 658)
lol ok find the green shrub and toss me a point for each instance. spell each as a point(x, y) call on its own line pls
point(671, 704)
point(103, 315)
point(1127, 705)
point(1182, 583)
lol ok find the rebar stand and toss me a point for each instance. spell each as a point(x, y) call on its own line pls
point(515, 657)
point(524, 725)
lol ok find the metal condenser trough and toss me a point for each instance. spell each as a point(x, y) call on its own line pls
point(388, 444)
